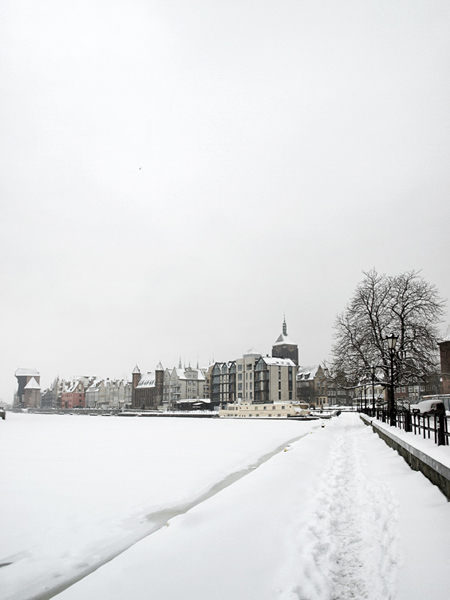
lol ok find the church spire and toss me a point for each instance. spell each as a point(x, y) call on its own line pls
point(284, 326)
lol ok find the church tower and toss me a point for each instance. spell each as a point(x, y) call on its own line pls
point(135, 379)
point(159, 384)
point(284, 347)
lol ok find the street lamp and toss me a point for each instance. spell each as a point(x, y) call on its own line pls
point(392, 342)
point(372, 373)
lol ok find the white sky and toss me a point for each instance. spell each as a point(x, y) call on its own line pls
point(177, 175)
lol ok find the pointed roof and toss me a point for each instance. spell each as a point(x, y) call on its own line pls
point(136, 369)
point(283, 338)
point(159, 367)
point(32, 385)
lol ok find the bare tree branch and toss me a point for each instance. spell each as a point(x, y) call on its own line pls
point(405, 305)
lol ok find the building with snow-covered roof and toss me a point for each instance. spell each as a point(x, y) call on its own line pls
point(314, 388)
point(109, 394)
point(147, 390)
point(24, 377)
point(274, 380)
point(73, 395)
point(312, 385)
point(185, 383)
point(32, 394)
point(284, 346)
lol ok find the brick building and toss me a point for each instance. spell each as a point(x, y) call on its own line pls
point(28, 393)
point(444, 348)
point(147, 390)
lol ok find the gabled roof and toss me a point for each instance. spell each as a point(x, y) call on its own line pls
point(72, 386)
point(32, 385)
point(307, 373)
point(182, 374)
point(95, 385)
point(136, 369)
point(147, 381)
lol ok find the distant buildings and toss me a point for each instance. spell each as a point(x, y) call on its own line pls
point(86, 392)
point(274, 380)
point(257, 379)
point(147, 390)
point(185, 383)
point(29, 389)
point(284, 347)
point(250, 379)
point(73, 396)
point(113, 394)
point(314, 388)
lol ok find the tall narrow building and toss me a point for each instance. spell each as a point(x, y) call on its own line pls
point(284, 347)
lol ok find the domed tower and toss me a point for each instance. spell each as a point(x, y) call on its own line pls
point(159, 384)
point(284, 347)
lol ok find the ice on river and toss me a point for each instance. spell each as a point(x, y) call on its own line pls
point(76, 490)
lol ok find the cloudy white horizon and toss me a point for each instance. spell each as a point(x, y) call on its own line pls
point(177, 176)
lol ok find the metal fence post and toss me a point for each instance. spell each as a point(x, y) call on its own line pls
point(407, 421)
point(441, 430)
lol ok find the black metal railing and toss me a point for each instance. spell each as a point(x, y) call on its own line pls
point(429, 426)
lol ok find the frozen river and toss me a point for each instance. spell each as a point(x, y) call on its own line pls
point(214, 509)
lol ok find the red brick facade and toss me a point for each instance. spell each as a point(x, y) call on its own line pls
point(444, 348)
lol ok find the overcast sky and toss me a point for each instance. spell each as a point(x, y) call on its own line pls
point(179, 174)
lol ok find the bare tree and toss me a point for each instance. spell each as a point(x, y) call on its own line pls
point(405, 305)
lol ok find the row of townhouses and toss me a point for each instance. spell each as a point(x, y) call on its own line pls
point(253, 378)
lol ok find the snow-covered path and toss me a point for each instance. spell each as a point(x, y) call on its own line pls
point(350, 545)
point(338, 516)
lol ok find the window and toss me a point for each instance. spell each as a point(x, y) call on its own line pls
point(240, 377)
point(239, 386)
point(239, 367)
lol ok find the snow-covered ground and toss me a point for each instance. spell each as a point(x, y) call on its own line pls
point(77, 490)
point(338, 516)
